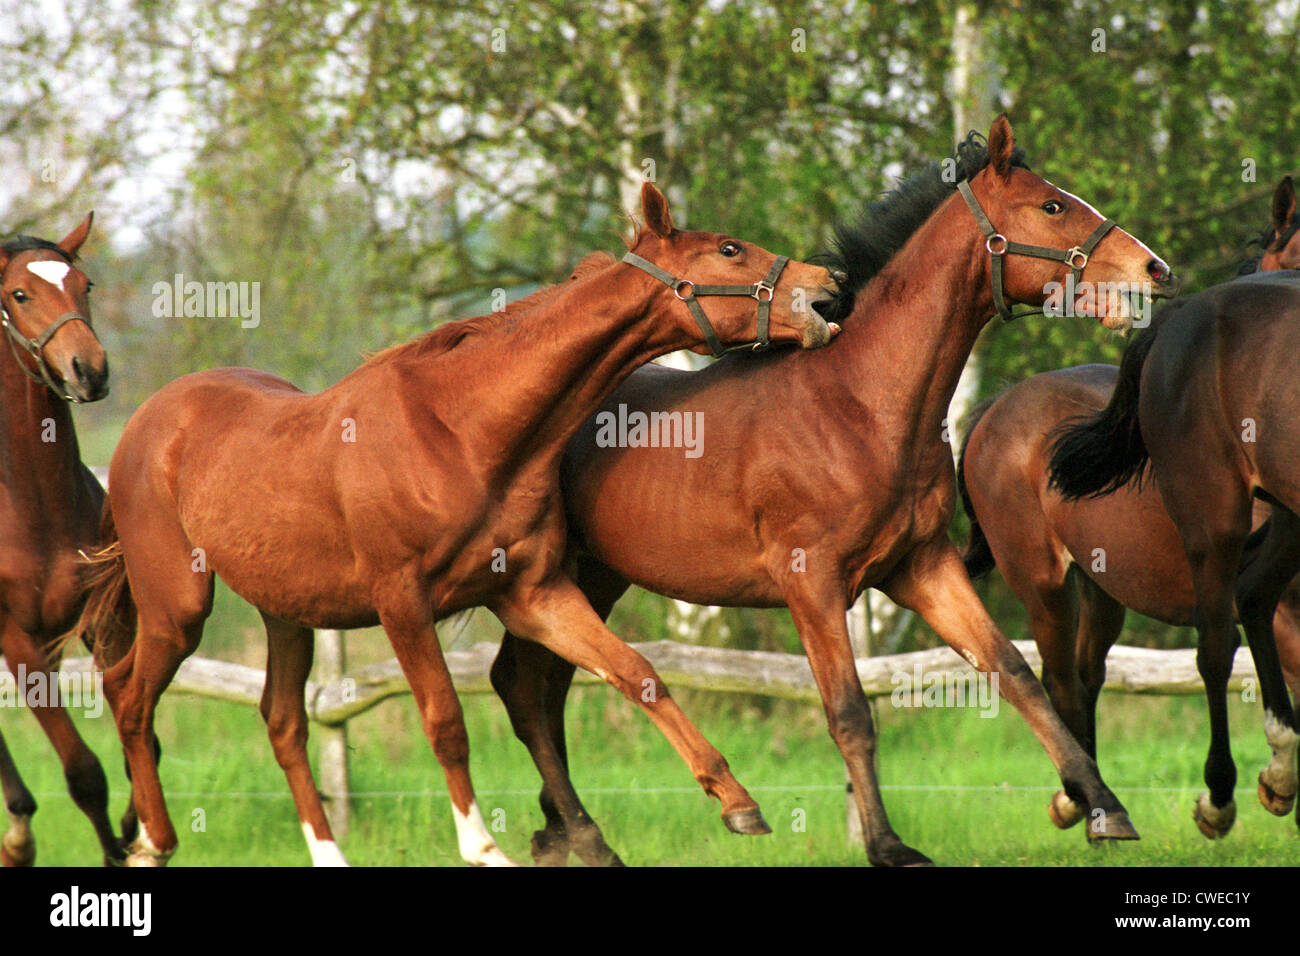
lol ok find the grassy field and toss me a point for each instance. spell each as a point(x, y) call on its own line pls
point(967, 790)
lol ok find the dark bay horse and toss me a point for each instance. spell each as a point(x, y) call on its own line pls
point(855, 491)
point(1207, 398)
point(423, 483)
point(1077, 565)
point(49, 509)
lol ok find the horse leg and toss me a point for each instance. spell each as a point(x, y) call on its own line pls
point(289, 651)
point(1100, 621)
point(172, 602)
point(411, 632)
point(817, 608)
point(82, 770)
point(1214, 558)
point(1052, 601)
point(932, 581)
point(1262, 581)
point(17, 846)
point(533, 683)
point(130, 819)
point(526, 677)
point(557, 616)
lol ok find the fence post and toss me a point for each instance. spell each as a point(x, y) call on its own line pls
point(859, 624)
point(330, 665)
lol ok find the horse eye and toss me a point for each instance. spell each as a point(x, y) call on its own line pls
point(19, 296)
point(1053, 208)
point(730, 249)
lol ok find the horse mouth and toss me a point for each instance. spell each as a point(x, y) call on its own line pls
point(820, 330)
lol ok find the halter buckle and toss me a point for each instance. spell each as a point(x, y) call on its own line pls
point(760, 287)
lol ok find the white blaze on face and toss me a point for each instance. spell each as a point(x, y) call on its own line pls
point(477, 847)
point(323, 852)
point(52, 272)
point(1096, 212)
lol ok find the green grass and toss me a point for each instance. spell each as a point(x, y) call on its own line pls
point(217, 761)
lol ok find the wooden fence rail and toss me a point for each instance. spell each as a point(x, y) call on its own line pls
point(334, 702)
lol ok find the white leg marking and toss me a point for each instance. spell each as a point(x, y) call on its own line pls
point(1220, 818)
point(52, 272)
point(477, 847)
point(17, 841)
point(323, 852)
point(1280, 774)
point(144, 852)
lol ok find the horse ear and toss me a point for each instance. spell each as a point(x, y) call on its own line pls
point(1283, 205)
point(654, 207)
point(73, 240)
point(1002, 142)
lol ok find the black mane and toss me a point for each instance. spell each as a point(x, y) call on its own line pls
point(1265, 242)
point(28, 243)
point(860, 249)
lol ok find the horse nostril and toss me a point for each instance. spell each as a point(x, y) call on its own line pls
point(1158, 271)
point(78, 370)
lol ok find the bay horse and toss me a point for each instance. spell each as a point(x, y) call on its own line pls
point(856, 491)
point(423, 483)
point(1205, 403)
point(1076, 565)
point(49, 509)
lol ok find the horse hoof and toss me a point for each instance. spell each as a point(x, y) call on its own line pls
point(24, 855)
point(1275, 803)
point(1214, 822)
point(899, 854)
point(1114, 825)
point(145, 859)
point(1064, 812)
point(749, 822)
point(590, 846)
point(549, 849)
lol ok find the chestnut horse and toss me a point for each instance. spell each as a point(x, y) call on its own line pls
point(1206, 396)
point(49, 510)
point(857, 491)
point(1076, 565)
point(425, 482)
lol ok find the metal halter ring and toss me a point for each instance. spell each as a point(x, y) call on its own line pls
point(998, 238)
point(1074, 254)
point(677, 289)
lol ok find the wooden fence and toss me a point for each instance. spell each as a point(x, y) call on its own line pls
point(340, 695)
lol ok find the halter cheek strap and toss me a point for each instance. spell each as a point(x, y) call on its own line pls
point(36, 349)
point(999, 246)
point(689, 292)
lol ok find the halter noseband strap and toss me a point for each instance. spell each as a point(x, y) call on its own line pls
point(999, 246)
point(36, 349)
point(763, 291)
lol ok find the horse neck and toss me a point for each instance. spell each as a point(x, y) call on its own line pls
point(33, 468)
point(914, 324)
point(532, 382)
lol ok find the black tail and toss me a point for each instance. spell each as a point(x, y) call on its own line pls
point(1101, 453)
point(978, 556)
